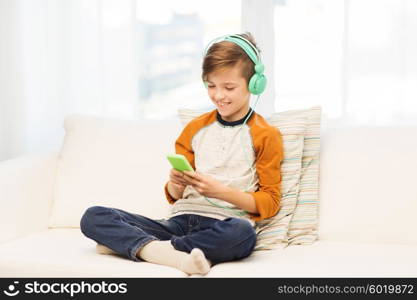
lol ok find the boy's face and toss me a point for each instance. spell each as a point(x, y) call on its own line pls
point(229, 92)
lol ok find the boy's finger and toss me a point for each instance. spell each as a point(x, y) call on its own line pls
point(176, 173)
point(192, 181)
point(191, 174)
point(178, 176)
point(179, 181)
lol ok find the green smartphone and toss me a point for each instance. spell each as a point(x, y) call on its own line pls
point(179, 162)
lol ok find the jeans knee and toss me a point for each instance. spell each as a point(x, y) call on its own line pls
point(241, 225)
point(242, 233)
point(90, 216)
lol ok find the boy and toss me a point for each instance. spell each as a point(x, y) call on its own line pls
point(236, 156)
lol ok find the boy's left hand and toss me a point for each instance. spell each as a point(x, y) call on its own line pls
point(204, 184)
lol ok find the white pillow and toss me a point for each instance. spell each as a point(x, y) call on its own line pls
point(115, 163)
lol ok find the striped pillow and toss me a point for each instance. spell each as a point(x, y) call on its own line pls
point(303, 227)
point(272, 232)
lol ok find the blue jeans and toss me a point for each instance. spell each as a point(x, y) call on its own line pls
point(126, 233)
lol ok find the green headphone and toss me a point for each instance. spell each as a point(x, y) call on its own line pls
point(257, 82)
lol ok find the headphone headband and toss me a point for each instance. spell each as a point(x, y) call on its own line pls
point(251, 51)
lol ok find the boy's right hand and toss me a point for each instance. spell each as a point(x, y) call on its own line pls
point(176, 184)
point(177, 179)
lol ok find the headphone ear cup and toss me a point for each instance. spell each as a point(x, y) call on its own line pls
point(257, 84)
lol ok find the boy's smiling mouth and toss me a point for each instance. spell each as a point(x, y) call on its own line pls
point(223, 104)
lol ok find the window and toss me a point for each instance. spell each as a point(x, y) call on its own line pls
point(308, 47)
point(171, 36)
point(355, 58)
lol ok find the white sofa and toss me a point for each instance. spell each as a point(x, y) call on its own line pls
point(367, 212)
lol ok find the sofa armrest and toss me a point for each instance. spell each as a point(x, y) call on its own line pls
point(26, 194)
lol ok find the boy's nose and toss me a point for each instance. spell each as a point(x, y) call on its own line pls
point(218, 96)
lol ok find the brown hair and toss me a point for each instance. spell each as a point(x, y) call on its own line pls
point(227, 54)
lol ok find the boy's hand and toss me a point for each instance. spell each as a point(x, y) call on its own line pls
point(204, 184)
point(176, 185)
point(177, 179)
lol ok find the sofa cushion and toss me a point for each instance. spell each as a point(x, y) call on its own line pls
point(325, 259)
point(367, 185)
point(68, 253)
point(112, 162)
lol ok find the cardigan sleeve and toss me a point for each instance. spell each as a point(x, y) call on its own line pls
point(269, 155)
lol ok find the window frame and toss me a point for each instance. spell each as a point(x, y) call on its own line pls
point(264, 33)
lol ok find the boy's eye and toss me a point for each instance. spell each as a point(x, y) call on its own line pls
point(227, 88)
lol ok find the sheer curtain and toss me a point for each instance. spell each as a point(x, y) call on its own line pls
point(63, 57)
